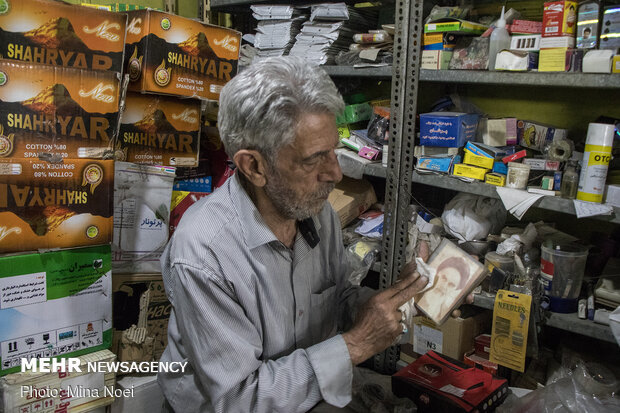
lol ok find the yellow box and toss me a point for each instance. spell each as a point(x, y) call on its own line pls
point(552, 60)
point(471, 158)
point(460, 169)
point(615, 65)
point(495, 179)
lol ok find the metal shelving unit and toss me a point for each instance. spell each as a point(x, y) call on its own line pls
point(568, 322)
point(534, 79)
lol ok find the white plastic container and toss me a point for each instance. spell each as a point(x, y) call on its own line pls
point(518, 175)
point(499, 40)
point(596, 157)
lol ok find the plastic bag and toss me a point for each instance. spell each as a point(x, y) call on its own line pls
point(471, 217)
point(360, 256)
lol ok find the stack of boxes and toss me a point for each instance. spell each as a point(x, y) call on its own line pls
point(60, 88)
point(62, 82)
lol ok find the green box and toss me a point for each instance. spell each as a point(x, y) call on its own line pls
point(54, 304)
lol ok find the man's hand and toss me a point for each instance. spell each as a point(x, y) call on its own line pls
point(378, 323)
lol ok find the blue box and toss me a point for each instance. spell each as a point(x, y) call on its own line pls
point(500, 168)
point(448, 129)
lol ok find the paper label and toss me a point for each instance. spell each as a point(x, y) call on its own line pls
point(426, 338)
point(511, 316)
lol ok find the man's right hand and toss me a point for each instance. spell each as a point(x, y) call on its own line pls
point(378, 322)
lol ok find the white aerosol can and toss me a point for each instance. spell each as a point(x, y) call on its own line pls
point(595, 162)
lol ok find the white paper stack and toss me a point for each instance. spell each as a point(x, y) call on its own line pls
point(330, 30)
point(277, 27)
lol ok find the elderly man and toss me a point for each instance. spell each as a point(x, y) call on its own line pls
point(256, 273)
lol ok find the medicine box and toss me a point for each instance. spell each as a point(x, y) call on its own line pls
point(469, 171)
point(451, 129)
point(476, 160)
point(54, 304)
point(559, 18)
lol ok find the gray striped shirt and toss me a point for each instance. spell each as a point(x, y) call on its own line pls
point(257, 321)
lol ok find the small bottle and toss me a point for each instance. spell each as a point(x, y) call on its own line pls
point(570, 181)
point(500, 40)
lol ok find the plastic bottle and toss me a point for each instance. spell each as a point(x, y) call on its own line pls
point(500, 40)
point(596, 157)
point(570, 181)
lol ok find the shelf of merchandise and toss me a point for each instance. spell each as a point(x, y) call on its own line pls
point(568, 322)
point(480, 188)
point(535, 79)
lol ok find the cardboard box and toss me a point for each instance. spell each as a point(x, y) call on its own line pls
point(495, 179)
point(65, 112)
point(559, 18)
point(141, 215)
point(436, 59)
point(476, 160)
point(537, 136)
point(55, 205)
point(469, 171)
point(453, 338)
point(160, 130)
point(12, 386)
point(54, 304)
point(350, 198)
point(450, 129)
point(440, 384)
point(169, 54)
point(140, 300)
point(61, 34)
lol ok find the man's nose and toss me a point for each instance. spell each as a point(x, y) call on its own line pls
point(331, 170)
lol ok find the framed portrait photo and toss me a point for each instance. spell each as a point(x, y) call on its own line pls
point(458, 273)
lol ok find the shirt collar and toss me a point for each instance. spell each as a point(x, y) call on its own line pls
point(255, 230)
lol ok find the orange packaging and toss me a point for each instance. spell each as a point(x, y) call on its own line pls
point(57, 111)
point(55, 205)
point(60, 34)
point(559, 18)
point(159, 130)
point(174, 55)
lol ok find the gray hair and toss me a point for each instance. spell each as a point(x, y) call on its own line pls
point(261, 106)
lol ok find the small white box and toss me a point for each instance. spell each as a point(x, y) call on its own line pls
point(557, 42)
point(525, 43)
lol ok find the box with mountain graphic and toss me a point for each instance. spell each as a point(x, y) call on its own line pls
point(51, 112)
point(60, 34)
point(47, 205)
point(159, 130)
point(174, 55)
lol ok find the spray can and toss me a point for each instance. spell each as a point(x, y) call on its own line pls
point(595, 162)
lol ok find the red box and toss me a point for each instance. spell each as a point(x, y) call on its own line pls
point(525, 26)
point(517, 155)
point(440, 384)
point(482, 345)
point(559, 18)
point(474, 360)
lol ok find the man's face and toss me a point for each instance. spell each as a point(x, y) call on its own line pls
point(307, 170)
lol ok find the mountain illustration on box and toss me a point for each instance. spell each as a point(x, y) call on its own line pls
point(57, 33)
point(153, 121)
point(53, 100)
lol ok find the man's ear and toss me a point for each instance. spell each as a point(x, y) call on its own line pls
point(252, 165)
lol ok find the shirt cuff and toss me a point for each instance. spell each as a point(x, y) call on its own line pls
point(333, 369)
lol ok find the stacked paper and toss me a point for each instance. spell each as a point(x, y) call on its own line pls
point(330, 30)
point(277, 27)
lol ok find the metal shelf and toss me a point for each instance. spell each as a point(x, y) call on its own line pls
point(568, 322)
point(375, 169)
point(480, 188)
point(350, 71)
point(534, 79)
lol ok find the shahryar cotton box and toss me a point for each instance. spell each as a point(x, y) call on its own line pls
point(54, 304)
